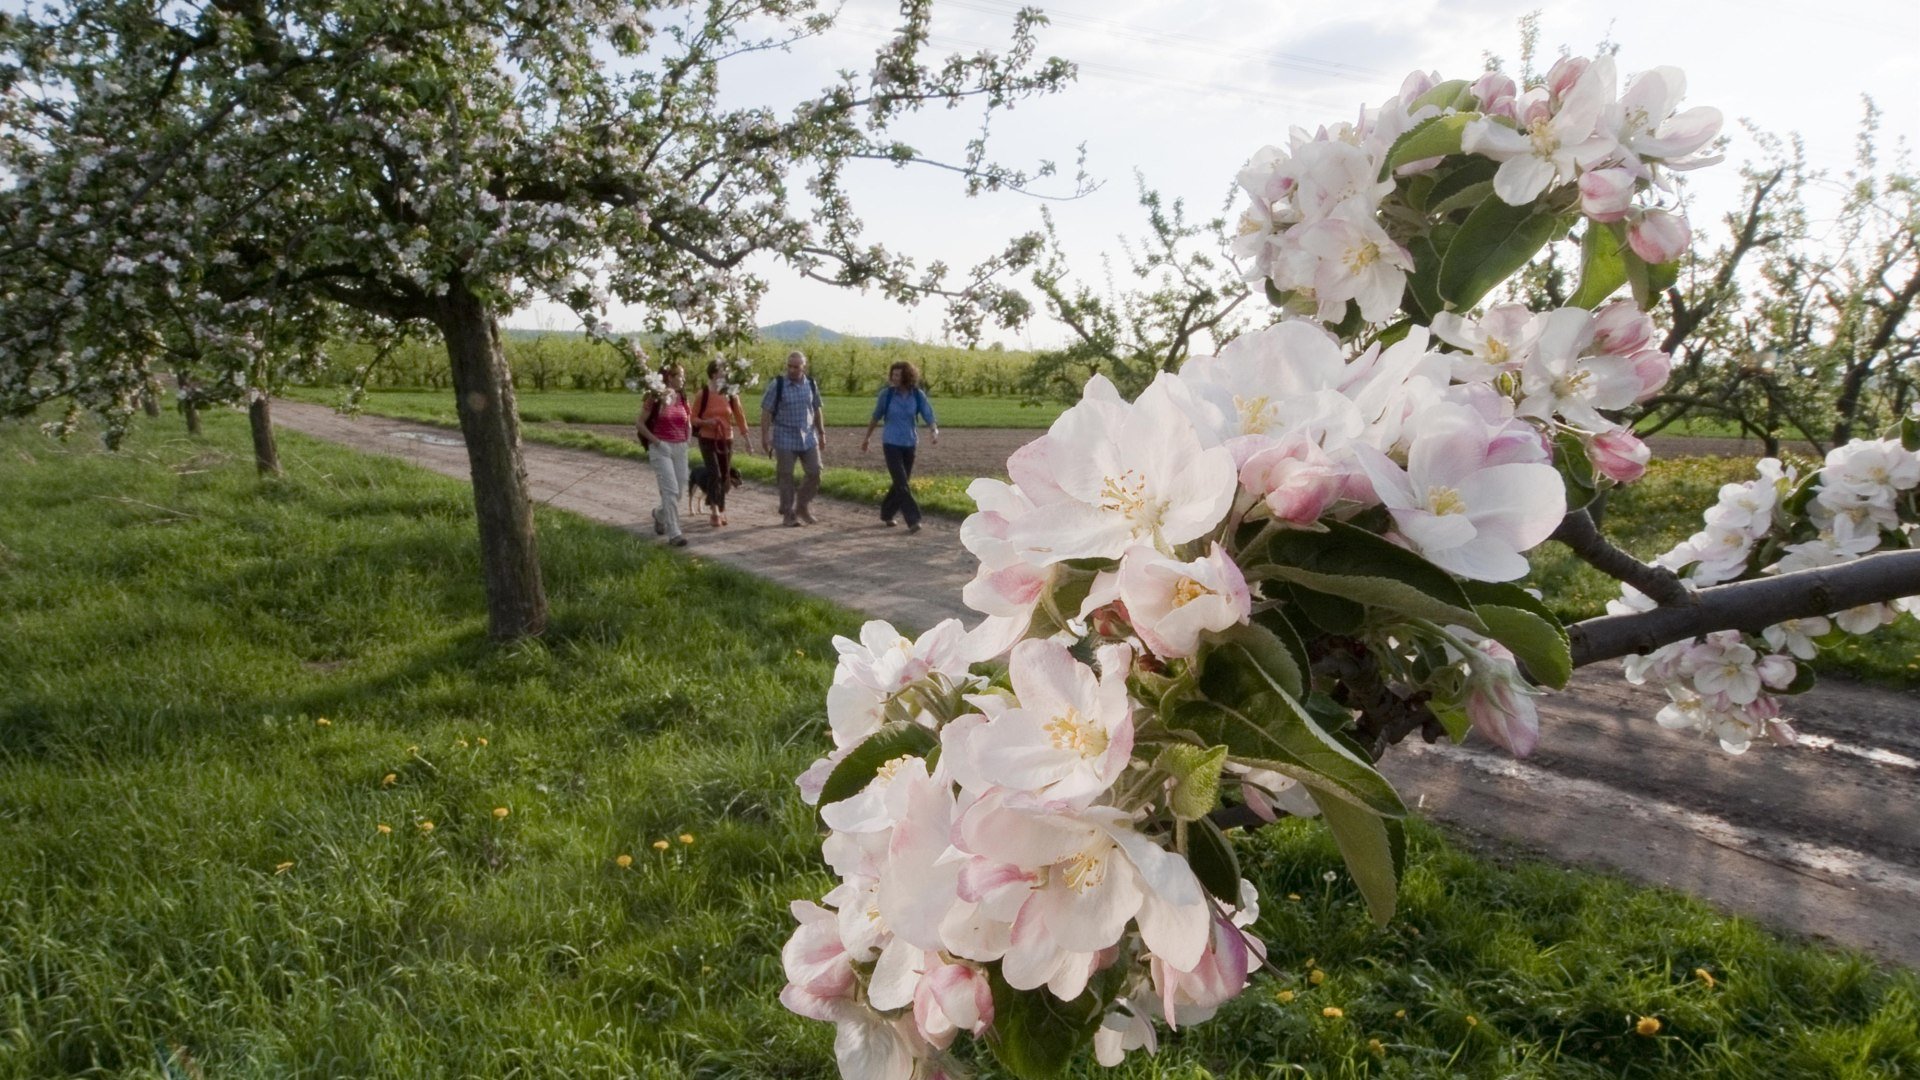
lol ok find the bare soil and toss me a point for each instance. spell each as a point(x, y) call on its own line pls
point(1820, 840)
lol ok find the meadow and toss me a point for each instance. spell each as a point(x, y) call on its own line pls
point(271, 805)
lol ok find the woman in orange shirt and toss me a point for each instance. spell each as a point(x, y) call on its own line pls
point(716, 417)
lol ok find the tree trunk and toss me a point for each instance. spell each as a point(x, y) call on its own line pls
point(266, 453)
point(192, 409)
point(150, 398)
point(490, 421)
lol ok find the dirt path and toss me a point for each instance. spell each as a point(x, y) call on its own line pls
point(1821, 840)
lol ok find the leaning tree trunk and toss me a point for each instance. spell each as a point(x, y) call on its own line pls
point(266, 452)
point(150, 397)
point(192, 410)
point(483, 395)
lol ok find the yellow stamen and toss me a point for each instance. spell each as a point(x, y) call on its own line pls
point(1069, 732)
point(1445, 500)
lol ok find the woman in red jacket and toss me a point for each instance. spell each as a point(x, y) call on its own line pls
point(717, 416)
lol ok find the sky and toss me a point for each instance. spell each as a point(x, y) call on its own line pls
point(1183, 93)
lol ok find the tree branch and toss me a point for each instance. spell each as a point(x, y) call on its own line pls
point(1582, 537)
point(1750, 605)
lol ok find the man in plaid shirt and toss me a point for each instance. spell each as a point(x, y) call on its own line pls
point(792, 429)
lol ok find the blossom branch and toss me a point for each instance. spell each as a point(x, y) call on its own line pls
point(1750, 606)
point(1582, 537)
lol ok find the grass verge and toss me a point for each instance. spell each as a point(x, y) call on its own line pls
point(194, 878)
point(596, 407)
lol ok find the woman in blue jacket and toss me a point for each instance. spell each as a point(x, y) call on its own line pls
point(900, 405)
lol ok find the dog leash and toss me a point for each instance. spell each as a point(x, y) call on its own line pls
point(548, 501)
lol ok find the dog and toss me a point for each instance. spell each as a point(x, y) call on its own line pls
point(698, 480)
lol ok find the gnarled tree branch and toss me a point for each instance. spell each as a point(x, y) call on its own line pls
point(1582, 537)
point(1750, 605)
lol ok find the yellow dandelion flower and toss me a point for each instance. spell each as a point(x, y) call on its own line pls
point(283, 867)
point(1647, 1025)
point(1705, 976)
point(686, 838)
point(1294, 896)
point(390, 779)
point(1284, 997)
point(623, 861)
point(481, 739)
point(1400, 1014)
point(383, 828)
point(1316, 976)
point(1472, 1020)
point(413, 751)
point(660, 845)
point(800, 652)
point(1376, 1048)
point(426, 826)
point(1333, 1012)
point(501, 811)
point(323, 722)
point(461, 743)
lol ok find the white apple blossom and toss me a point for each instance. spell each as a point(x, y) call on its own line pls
point(1555, 138)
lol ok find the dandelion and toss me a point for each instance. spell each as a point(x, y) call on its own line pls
point(480, 739)
point(1330, 877)
point(323, 722)
point(390, 779)
point(623, 861)
point(1284, 997)
point(1705, 976)
point(1333, 1012)
point(413, 751)
point(461, 743)
point(283, 867)
point(426, 827)
point(1473, 1021)
point(660, 845)
point(383, 828)
point(686, 838)
point(1294, 896)
point(1400, 1014)
point(1316, 976)
point(1376, 1048)
point(1648, 1026)
point(500, 812)
point(801, 653)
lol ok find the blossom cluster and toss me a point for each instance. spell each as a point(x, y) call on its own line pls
point(1727, 683)
point(1314, 228)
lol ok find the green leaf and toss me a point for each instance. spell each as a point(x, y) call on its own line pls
point(1910, 434)
point(1195, 775)
point(1466, 197)
point(857, 769)
point(1539, 643)
point(1603, 267)
point(1273, 731)
point(1506, 594)
point(1211, 855)
point(1494, 242)
point(1423, 284)
point(1649, 281)
point(1331, 614)
point(1453, 718)
point(1375, 851)
point(1359, 566)
point(1438, 136)
point(1451, 181)
point(1803, 678)
point(1035, 1035)
point(1276, 622)
point(1248, 660)
point(1446, 95)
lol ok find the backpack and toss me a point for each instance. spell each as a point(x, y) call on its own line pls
point(780, 390)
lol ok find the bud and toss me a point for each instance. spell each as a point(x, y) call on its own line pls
point(1496, 93)
point(1659, 236)
point(1619, 456)
point(1621, 329)
point(1653, 367)
point(1606, 194)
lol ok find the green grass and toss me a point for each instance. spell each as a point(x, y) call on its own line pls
point(191, 869)
point(588, 407)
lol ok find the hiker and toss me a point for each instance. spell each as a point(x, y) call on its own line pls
point(901, 404)
point(663, 428)
point(716, 417)
point(792, 429)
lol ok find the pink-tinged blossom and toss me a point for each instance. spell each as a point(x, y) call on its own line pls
point(1069, 736)
point(819, 972)
point(1128, 475)
point(1171, 603)
point(1496, 94)
point(1796, 635)
point(1277, 381)
point(1560, 380)
point(1491, 344)
point(1659, 236)
point(1606, 194)
point(1651, 367)
point(1358, 261)
point(1193, 996)
point(1461, 514)
point(1647, 128)
point(1127, 1028)
point(1619, 455)
point(1296, 479)
point(1722, 664)
point(1621, 329)
point(1553, 143)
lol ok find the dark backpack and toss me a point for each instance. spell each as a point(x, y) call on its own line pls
point(780, 390)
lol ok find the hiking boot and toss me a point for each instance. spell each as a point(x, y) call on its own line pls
point(806, 517)
point(913, 527)
point(659, 526)
point(790, 523)
point(678, 541)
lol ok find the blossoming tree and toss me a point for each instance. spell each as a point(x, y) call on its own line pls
point(435, 166)
point(1227, 598)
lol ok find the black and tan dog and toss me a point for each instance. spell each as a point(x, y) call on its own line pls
point(698, 480)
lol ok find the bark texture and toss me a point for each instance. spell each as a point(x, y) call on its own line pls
point(490, 421)
point(266, 452)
